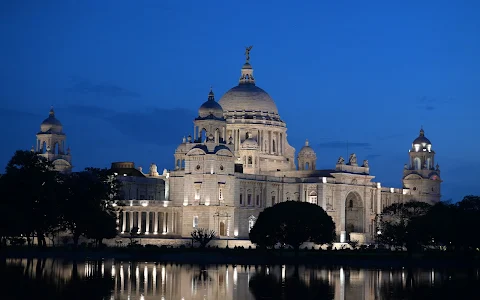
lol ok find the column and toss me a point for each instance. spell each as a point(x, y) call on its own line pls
point(139, 221)
point(131, 221)
point(147, 223)
point(155, 222)
point(124, 221)
point(164, 225)
point(118, 220)
point(194, 132)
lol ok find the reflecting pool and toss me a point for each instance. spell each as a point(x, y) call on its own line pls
point(109, 279)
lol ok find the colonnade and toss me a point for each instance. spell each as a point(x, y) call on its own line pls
point(149, 222)
point(269, 141)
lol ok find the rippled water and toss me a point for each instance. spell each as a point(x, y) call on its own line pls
point(57, 279)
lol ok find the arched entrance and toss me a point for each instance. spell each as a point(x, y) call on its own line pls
point(354, 214)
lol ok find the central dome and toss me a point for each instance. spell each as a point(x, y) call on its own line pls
point(248, 97)
point(247, 100)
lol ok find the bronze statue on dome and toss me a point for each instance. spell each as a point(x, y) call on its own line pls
point(247, 52)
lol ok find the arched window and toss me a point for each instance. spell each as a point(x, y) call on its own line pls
point(222, 228)
point(203, 135)
point(417, 163)
point(273, 146)
point(307, 165)
point(250, 161)
point(44, 147)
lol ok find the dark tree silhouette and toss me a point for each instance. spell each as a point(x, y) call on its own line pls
point(203, 236)
point(395, 219)
point(292, 223)
point(88, 204)
point(29, 188)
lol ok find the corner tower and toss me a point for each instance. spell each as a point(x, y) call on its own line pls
point(307, 159)
point(422, 175)
point(51, 143)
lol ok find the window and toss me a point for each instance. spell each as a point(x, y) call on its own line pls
point(249, 160)
point(195, 221)
point(258, 200)
point(241, 199)
point(249, 199)
point(251, 222)
point(197, 193)
point(312, 198)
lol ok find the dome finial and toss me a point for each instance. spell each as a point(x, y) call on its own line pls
point(247, 70)
point(422, 132)
point(306, 142)
point(247, 53)
point(211, 96)
point(52, 113)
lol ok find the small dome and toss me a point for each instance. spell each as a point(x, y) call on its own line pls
point(210, 107)
point(51, 123)
point(307, 151)
point(421, 139)
point(249, 143)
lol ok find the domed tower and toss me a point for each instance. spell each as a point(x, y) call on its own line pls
point(307, 159)
point(51, 143)
point(248, 109)
point(210, 122)
point(421, 175)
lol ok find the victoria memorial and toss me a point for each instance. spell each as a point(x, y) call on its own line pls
point(238, 161)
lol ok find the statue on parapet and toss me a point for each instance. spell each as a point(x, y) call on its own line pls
point(353, 159)
point(365, 163)
point(340, 161)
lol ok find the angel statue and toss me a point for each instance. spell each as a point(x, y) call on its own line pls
point(340, 161)
point(353, 159)
point(247, 52)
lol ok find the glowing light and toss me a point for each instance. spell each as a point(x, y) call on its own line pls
point(113, 270)
point(235, 232)
point(379, 185)
point(235, 276)
point(283, 272)
point(392, 190)
point(165, 203)
point(185, 203)
point(324, 179)
point(145, 203)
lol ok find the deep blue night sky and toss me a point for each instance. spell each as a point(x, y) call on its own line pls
point(126, 77)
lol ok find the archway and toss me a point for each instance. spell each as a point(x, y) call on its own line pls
point(222, 228)
point(354, 214)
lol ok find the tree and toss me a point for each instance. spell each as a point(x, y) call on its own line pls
point(133, 235)
point(292, 223)
point(203, 236)
point(395, 219)
point(88, 204)
point(30, 188)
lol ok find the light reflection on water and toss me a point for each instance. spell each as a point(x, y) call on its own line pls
point(57, 279)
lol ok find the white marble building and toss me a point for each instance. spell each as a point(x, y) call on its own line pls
point(238, 161)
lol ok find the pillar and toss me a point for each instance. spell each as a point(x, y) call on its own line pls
point(164, 225)
point(147, 223)
point(139, 221)
point(131, 221)
point(155, 222)
point(124, 221)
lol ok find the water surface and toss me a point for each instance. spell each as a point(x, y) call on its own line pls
point(58, 279)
